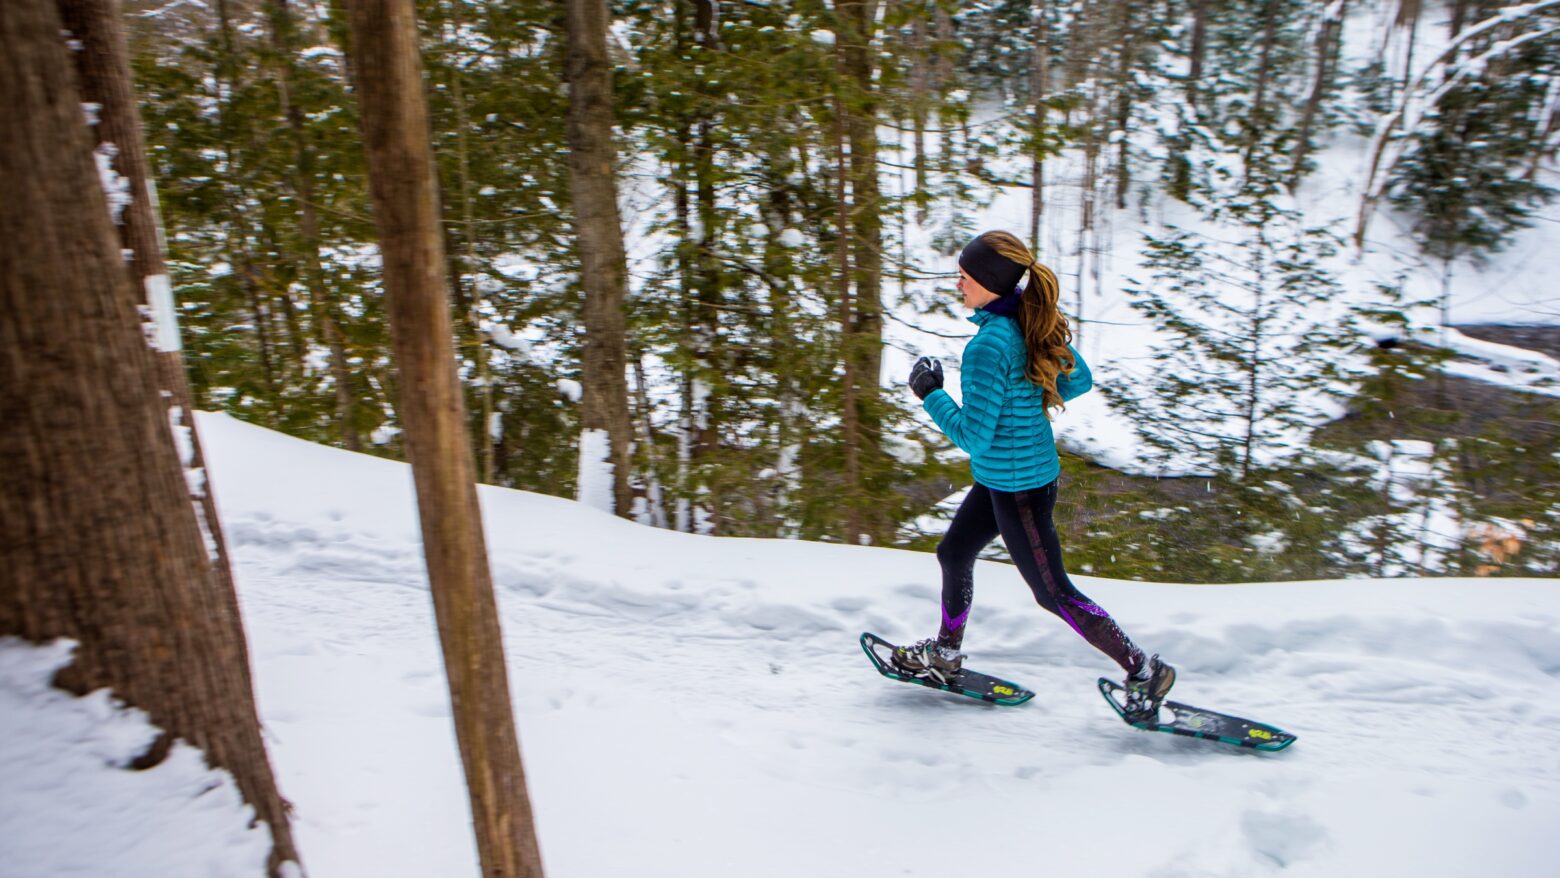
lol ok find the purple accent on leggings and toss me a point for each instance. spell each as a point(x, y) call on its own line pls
point(956, 622)
point(1103, 634)
point(1067, 617)
point(1089, 607)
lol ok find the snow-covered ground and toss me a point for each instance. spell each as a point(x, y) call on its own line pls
point(695, 706)
point(69, 807)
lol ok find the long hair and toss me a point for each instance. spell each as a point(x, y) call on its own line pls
point(1046, 333)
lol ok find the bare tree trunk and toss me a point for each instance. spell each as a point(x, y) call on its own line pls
point(706, 299)
point(1191, 113)
point(1332, 28)
point(1257, 125)
point(850, 434)
point(920, 97)
point(866, 232)
point(1253, 374)
point(103, 67)
point(942, 61)
point(1039, 86)
point(655, 499)
point(1409, 13)
point(321, 303)
point(406, 210)
point(1127, 30)
point(1199, 49)
point(99, 539)
point(1459, 18)
point(473, 313)
point(603, 264)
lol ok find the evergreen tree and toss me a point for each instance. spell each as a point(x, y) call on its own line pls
point(1256, 347)
point(1465, 175)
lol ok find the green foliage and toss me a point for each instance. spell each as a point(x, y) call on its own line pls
point(731, 175)
point(1469, 173)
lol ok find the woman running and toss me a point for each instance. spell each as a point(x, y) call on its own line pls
point(1019, 366)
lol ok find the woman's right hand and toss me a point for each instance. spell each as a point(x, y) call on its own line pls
point(926, 376)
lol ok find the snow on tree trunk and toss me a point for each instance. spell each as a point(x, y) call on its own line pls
point(599, 232)
point(594, 487)
point(102, 544)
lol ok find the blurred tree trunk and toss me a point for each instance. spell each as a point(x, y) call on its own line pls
point(1326, 41)
point(322, 303)
point(100, 541)
point(432, 406)
point(1199, 48)
point(1256, 121)
point(920, 100)
point(707, 292)
point(1039, 86)
point(850, 432)
point(225, 73)
point(1128, 27)
point(864, 349)
point(599, 229)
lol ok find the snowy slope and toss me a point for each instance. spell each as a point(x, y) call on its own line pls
point(691, 706)
point(69, 807)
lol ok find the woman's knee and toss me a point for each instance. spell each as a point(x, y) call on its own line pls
point(955, 556)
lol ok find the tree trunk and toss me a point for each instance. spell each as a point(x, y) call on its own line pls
point(1409, 12)
point(599, 230)
point(920, 98)
point(1039, 85)
point(103, 68)
point(1459, 17)
point(321, 303)
point(1127, 30)
point(1331, 29)
point(99, 539)
point(473, 309)
point(942, 58)
point(1180, 144)
point(1257, 126)
point(850, 433)
point(406, 210)
point(866, 244)
point(1199, 49)
point(704, 304)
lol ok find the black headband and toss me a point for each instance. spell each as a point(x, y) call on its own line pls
point(991, 269)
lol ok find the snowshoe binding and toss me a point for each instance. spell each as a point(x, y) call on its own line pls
point(925, 658)
point(1146, 689)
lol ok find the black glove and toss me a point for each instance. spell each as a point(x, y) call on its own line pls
point(925, 377)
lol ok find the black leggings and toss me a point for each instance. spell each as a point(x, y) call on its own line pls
point(1023, 519)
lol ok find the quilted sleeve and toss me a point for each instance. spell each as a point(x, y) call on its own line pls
point(1072, 385)
point(982, 384)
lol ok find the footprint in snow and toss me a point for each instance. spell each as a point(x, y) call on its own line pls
point(1282, 839)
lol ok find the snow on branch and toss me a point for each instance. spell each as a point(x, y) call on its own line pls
point(1412, 110)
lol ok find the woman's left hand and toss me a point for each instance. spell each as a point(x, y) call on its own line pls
point(926, 376)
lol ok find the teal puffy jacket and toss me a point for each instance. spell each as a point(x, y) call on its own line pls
point(1002, 425)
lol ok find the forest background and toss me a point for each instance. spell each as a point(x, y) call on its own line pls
point(795, 179)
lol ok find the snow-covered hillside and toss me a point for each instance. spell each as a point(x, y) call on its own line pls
point(698, 707)
point(1513, 285)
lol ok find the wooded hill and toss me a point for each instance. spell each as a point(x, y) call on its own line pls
point(720, 342)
